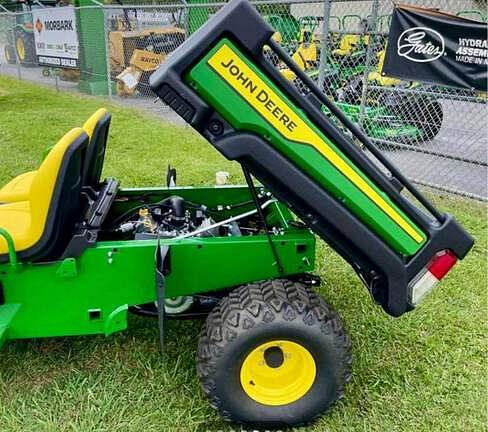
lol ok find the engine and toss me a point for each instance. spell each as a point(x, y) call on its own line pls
point(173, 217)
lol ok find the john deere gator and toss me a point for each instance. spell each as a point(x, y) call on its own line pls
point(78, 253)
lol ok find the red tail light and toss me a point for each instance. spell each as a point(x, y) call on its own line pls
point(428, 278)
point(442, 263)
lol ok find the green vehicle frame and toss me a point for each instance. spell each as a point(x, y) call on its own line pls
point(113, 275)
point(380, 124)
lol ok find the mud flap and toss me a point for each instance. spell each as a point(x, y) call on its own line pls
point(162, 270)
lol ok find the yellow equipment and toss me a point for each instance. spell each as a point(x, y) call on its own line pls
point(134, 55)
point(122, 43)
point(306, 56)
point(349, 44)
point(377, 75)
point(141, 65)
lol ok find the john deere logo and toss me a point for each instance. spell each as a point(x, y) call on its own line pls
point(39, 25)
point(421, 45)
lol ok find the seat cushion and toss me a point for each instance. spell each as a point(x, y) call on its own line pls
point(16, 219)
point(18, 188)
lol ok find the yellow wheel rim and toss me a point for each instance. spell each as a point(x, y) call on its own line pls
point(19, 44)
point(278, 372)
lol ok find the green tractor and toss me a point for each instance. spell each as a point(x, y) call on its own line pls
point(346, 56)
point(395, 113)
point(79, 253)
point(20, 41)
point(347, 49)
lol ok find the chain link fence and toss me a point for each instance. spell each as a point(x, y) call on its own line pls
point(435, 134)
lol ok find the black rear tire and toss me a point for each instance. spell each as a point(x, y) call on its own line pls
point(426, 115)
point(257, 315)
point(431, 121)
point(27, 56)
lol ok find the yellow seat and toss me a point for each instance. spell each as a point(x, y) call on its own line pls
point(304, 56)
point(38, 224)
point(298, 59)
point(347, 45)
point(18, 188)
point(97, 129)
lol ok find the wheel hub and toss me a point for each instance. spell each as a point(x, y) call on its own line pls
point(278, 372)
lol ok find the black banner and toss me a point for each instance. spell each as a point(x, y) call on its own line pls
point(428, 45)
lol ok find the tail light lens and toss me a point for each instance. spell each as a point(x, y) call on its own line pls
point(430, 276)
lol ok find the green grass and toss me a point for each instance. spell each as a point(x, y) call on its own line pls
point(423, 372)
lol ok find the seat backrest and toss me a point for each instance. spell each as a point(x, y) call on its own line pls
point(381, 60)
point(349, 42)
point(55, 197)
point(97, 128)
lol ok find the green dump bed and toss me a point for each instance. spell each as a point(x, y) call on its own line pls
point(220, 82)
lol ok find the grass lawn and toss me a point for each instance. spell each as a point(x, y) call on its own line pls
point(423, 372)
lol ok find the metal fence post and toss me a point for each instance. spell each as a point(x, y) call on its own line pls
point(371, 31)
point(107, 51)
point(17, 60)
point(12, 24)
point(324, 43)
point(186, 13)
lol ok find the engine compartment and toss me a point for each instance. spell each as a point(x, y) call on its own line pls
point(174, 214)
point(206, 217)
